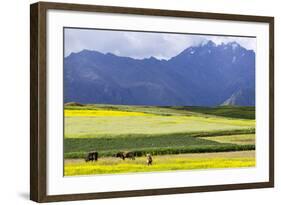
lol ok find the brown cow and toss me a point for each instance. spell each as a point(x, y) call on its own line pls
point(124, 155)
point(129, 155)
point(119, 155)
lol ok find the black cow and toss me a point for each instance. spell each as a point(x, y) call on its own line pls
point(124, 155)
point(130, 155)
point(120, 155)
point(92, 156)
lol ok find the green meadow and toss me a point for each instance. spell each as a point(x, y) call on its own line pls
point(173, 135)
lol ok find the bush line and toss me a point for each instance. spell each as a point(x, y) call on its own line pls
point(168, 150)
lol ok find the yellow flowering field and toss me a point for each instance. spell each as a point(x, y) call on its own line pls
point(101, 113)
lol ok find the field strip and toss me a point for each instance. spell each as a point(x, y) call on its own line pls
point(220, 111)
point(170, 150)
point(236, 139)
point(109, 165)
point(97, 113)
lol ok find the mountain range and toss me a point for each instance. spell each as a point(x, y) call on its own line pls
point(203, 75)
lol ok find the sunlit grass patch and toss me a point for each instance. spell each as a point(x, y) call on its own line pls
point(85, 126)
point(233, 139)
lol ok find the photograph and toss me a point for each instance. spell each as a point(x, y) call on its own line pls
point(149, 101)
point(132, 101)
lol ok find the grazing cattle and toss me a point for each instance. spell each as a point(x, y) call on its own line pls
point(130, 155)
point(124, 155)
point(149, 159)
point(120, 155)
point(92, 156)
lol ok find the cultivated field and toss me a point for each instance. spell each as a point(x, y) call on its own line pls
point(168, 133)
point(109, 165)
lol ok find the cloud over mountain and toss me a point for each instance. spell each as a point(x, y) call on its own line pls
point(141, 45)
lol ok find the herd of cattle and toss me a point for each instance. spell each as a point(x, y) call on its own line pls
point(93, 156)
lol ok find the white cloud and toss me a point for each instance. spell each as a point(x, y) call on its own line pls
point(141, 44)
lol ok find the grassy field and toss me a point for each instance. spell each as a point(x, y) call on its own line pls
point(224, 111)
point(245, 139)
point(168, 131)
point(111, 165)
point(109, 123)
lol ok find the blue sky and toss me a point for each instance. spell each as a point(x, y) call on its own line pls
point(141, 45)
